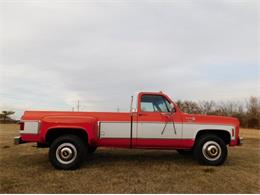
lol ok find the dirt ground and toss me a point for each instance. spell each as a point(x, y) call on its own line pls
point(26, 169)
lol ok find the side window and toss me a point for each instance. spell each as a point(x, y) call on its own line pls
point(154, 103)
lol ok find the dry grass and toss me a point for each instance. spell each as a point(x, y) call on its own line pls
point(26, 169)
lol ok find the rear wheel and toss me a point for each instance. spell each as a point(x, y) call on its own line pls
point(210, 150)
point(67, 152)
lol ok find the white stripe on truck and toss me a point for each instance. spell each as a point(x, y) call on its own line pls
point(151, 130)
point(115, 129)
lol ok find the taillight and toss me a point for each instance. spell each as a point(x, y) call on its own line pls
point(21, 125)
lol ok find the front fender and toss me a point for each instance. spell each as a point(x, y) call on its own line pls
point(190, 131)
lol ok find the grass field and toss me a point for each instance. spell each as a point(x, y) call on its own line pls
point(26, 169)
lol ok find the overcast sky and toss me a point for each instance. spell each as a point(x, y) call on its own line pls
point(54, 53)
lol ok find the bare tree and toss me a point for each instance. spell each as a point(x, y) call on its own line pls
point(253, 112)
point(207, 107)
point(6, 115)
point(188, 106)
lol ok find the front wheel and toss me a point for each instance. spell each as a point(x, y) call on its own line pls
point(67, 152)
point(210, 150)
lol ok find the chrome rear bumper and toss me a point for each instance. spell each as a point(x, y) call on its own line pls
point(18, 140)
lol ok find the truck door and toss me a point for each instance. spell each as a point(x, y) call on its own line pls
point(157, 126)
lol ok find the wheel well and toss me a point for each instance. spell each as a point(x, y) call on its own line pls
point(224, 135)
point(52, 134)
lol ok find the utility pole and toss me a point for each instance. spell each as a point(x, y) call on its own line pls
point(78, 106)
point(131, 104)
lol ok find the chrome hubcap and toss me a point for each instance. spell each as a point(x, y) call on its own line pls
point(66, 153)
point(211, 150)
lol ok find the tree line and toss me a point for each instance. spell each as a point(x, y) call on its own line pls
point(248, 113)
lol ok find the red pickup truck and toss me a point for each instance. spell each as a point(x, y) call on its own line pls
point(154, 122)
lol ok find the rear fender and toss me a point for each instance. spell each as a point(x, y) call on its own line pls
point(87, 124)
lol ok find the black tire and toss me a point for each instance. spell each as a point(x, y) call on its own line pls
point(184, 152)
point(67, 152)
point(92, 149)
point(210, 150)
